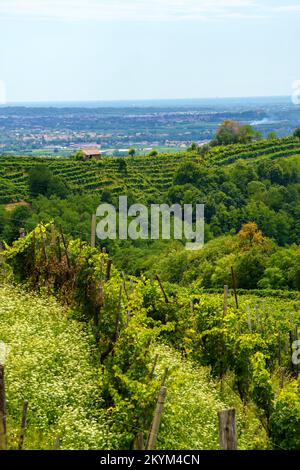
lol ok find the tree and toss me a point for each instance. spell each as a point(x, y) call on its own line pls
point(233, 132)
point(297, 133)
point(272, 136)
point(131, 152)
point(153, 153)
point(79, 155)
point(39, 180)
point(43, 182)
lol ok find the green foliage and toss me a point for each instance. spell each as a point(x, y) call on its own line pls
point(43, 182)
point(46, 355)
point(285, 420)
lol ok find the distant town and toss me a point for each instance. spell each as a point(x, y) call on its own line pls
point(49, 130)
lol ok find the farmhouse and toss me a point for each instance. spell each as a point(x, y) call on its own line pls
point(90, 153)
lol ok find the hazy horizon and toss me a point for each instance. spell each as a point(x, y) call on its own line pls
point(133, 50)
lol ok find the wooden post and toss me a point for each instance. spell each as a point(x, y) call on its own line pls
point(57, 443)
point(226, 290)
point(164, 377)
point(3, 436)
point(227, 429)
point(23, 425)
point(157, 418)
point(162, 288)
point(282, 374)
point(118, 316)
point(108, 269)
point(93, 231)
point(279, 350)
point(233, 277)
point(53, 235)
point(249, 318)
point(140, 441)
point(151, 375)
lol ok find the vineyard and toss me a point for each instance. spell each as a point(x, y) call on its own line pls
point(145, 177)
point(221, 350)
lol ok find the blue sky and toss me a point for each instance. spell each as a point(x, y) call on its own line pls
point(66, 50)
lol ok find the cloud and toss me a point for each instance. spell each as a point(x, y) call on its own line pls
point(141, 10)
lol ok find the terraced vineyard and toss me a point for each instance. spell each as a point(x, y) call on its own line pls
point(144, 176)
point(141, 174)
point(272, 149)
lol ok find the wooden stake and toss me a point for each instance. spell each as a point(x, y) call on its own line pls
point(282, 373)
point(140, 441)
point(226, 291)
point(227, 429)
point(249, 318)
point(53, 235)
point(23, 425)
point(164, 377)
point(162, 288)
point(93, 231)
point(3, 435)
point(57, 443)
point(108, 269)
point(157, 418)
point(151, 375)
point(233, 277)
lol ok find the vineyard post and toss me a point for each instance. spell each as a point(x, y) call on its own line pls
point(157, 418)
point(108, 269)
point(282, 374)
point(257, 317)
point(226, 290)
point(279, 350)
point(53, 235)
point(140, 441)
point(164, 377)
point(93, 231)
point(151, 375)
point(3, 436)
point(57, 443)
point(162, 288)
point(23, 425)
point(233, 277)
point(227, 429)
point(249, 318)
point(291, 348)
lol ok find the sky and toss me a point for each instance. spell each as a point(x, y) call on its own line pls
point(87, 50)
